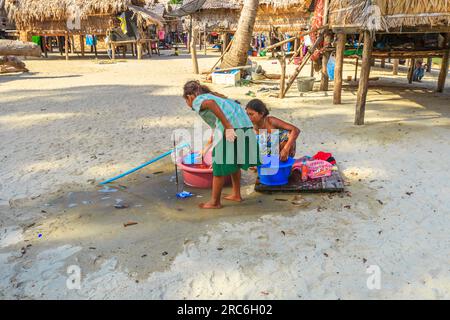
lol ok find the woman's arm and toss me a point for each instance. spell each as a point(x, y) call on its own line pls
point(212, 105)
point(294, 132)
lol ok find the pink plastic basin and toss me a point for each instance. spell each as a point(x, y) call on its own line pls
point(197, 177)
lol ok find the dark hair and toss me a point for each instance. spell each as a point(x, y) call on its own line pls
point(195, 88)
point(258, 106)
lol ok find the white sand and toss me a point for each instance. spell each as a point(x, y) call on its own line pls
point(74, 121)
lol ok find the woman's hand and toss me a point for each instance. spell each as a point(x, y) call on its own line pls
point(230, 135)
point(284, 154)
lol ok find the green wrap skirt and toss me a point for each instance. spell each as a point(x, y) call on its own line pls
point(243, 153)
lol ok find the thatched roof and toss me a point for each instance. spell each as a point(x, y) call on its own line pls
point(145, 16)
point(24, 12)
point(385, 15)
point(224, 14)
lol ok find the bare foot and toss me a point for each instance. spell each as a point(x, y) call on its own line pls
point(233, 198)
point(210, 205)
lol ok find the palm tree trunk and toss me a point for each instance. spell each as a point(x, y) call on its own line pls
point(238, 54)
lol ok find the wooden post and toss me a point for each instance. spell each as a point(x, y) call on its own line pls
point(312, 68)
point(283, 75)
point(205, 41)
point(44, 39)
point(364, 79)
point(383, 63)
point(194, 52)
point(82, 45)
point(66, 44)
point(356, 69)
point(444, 65)
point(72, 44)
point(429, 64)
point(326, 57)
point(224, 41)
point(296, 43)
point(395, 67)
point(139, 50)
point(113, 50)
point(412, 64)
point(340, 48)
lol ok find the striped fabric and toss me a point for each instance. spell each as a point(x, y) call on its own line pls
point(232, 110)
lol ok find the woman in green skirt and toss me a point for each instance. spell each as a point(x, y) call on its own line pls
point(234, 141)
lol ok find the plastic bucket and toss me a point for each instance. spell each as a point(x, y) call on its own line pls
point(275, 173)
point(197, 176)
point(305, 84)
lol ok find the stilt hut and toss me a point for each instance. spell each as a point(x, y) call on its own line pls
point(65, 19)
point(401, 29)
point(286, 15)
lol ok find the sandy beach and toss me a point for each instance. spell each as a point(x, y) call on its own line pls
point(67, 125)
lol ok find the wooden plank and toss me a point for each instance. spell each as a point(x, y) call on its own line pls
point(364, 79)
point(338, 72)
point(407, 54)
point(334, 183)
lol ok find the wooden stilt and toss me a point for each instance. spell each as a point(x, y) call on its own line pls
point(312, 69)
point(66, 44)
point(205, 41)
point(383, 63)
point(224, 42)
point(429, 64)
point(444, 66)
point(283, 76)
point(113, 51)
point(44, 39)
point(356, 69)
point(364, 79)
point(82, 45)
point(412, 64)
point(72, 44)
point(139, 50)
point(395, 67)
point(194, 52)
point(325, 58)
point(340, 48)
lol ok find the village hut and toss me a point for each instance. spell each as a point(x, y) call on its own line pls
point(287, 16)
point(402, 29)
point(217, 15)
point(7, 28)
point(67, 18)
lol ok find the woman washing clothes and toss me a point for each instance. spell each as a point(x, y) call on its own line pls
point(264, 125)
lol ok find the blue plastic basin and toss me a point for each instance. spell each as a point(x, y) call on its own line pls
point(275, 172)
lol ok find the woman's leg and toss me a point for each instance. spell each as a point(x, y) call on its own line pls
point(236, 184)
point(217, 187)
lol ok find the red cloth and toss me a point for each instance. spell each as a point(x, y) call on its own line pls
point(324, 156)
